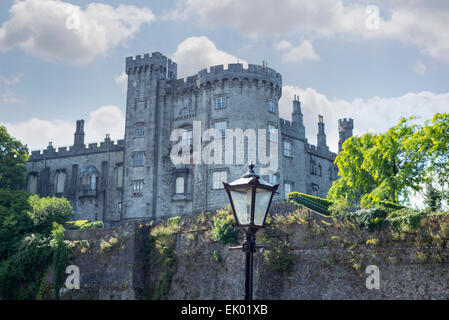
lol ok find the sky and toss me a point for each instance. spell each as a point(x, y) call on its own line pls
point(373, 61)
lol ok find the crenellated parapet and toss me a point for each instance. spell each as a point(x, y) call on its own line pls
point(291, 129)
point(322, 153)
point(253, 75)
point(156, 63)
point(91, 148)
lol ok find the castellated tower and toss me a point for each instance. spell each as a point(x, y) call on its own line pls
point(158, 103)
point(345, 127)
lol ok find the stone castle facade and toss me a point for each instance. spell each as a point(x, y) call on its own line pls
point(135, 178)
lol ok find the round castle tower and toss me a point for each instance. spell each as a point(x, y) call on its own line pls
point(232, 98)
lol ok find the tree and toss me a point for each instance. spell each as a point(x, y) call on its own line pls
point(379, 167)
point(13, 156)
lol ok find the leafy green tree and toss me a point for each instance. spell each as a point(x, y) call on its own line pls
point(45, 211)
point(13, 156)
point(432, 198)
point(14, 220)
point(379, 167)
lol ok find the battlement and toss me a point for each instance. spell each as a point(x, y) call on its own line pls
point(235, 71)
point(346, 123)
point(156, 62)
point(92, 148)
point(327, 154)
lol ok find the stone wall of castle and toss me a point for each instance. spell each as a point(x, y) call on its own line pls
point(329, 263)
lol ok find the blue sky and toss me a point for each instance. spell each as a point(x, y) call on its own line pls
point(340, 58)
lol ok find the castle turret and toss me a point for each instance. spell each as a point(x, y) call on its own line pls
point(297, 117)
point(345, 127)
point(79, 134)
point(321, 136)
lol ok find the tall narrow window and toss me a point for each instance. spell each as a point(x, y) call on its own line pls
point(140, 131)
point(32, 183)
point(220, 129)
point(137, 186)
point(93, 182)
point(272, 133)
point(287, 149)
point(272, 178)
point(119, 176)
point(60, 181)
point(218, 177)
point(271, 106)
point(179, 185)
point(138, 159)
point(287, 188)
point(220, 102)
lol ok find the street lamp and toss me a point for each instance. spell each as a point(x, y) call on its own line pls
point(250, 198)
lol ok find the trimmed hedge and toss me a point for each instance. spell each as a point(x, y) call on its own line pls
point(83, 224)
point(314, 203)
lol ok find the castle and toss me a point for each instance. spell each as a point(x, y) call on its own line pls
point(135, 178)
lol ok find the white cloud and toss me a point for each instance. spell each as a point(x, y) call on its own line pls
point(122, 80)
point(420, 23)
point(54, 30)
point(7, 94)
point(196, 53)
point(419, 67)
point(36, 133)
point(283, 45)
point(304, 51)
point(383, 112)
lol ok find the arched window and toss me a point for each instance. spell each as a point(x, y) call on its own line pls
point(319, 170)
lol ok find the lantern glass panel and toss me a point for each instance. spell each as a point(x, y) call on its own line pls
point(263, 197)
point(242, 204)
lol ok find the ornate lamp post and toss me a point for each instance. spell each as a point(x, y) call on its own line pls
point(250, 198)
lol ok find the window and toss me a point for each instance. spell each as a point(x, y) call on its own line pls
point(271, 106)
point(314, 189)
point(187, 137)
point(119, 176)
point(330, 172)
point(272, 133)
point(218, 178)
point(88, 178)
point(60, 181)
point(137, 187)
point(272, 178)
point(119, 207)
point(184, 111)
point(319, 170)
point(32, 183)
point(287, 149)
point(220, 102)
point(140, 131)
point(220, 129)
point(179, 185)
point(312, 167)
point(287, 188)
point(138, 159)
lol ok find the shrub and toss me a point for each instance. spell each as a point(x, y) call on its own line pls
point(405, 220)
point(315, 203)
point(83, 225)
point(14, 220)
point(278, 256)
point(223, 228)
point(22, 273)
point(45, 211)
point(369, 219)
